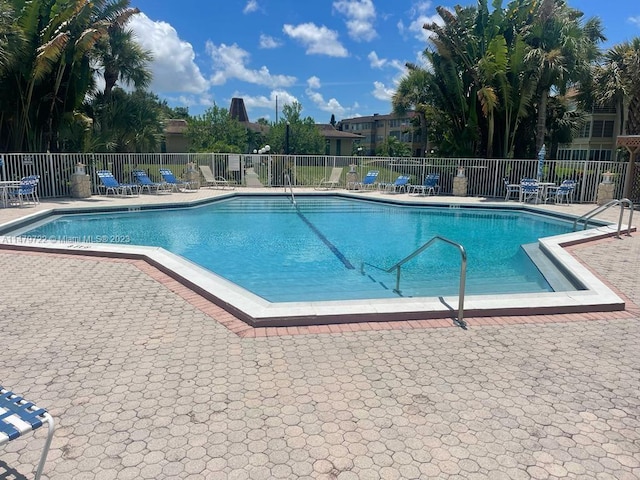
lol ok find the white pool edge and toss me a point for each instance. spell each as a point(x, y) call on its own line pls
point(259, 312)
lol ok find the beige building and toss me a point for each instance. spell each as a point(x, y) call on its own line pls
point(338, 142)
point(596, 139)
point(375, 129)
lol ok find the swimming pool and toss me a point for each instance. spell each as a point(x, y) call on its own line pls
point(591, 294)
point(314, 251)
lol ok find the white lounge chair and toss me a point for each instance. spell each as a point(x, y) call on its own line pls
point(212, 181)
point(332, 181)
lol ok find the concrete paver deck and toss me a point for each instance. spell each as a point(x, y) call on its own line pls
point(144, 384)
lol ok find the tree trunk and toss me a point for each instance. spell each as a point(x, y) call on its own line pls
point(541, 126)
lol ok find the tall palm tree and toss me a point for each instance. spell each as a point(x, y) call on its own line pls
point(412, 95)
point(617, 80)
point(120, 58)
point(563, 47)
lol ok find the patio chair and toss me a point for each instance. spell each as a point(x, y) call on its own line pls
point(332, 181)
point(172, 182)
point(27, 190)
point(368, 182)
point(108, 183)
point(529, 190)
point(18, 416)
point(399, 185)
point(510, 189)
point(429, 186)
point(562, 192)
point(144, 182)
point(212, 181)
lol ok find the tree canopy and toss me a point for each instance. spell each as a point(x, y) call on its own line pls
point(489, 71)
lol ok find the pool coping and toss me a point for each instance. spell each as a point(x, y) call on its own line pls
point(258, 312)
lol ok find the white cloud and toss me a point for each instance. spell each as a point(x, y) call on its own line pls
point(262, 101)
point(331, 106)
point(313, 82)
point(635, 20)
point(360, 17)
point(416, 26)
point(382, 92)
point(250, 7)
point(375, 61)
point(419, 17)
point(230, 62)
point(173, 66)
point(268, 42)
point(318, 40)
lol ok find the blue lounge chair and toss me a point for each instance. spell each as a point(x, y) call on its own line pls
point(108, 183)
point(172, 182)
point(145, 182)
point(368, 182)
point(399, 185)
point(429, 186)
point(18, 416)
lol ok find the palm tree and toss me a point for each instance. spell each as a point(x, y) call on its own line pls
point(563, 49)
point(617, 80)
point(120, 57)
point(412, 95)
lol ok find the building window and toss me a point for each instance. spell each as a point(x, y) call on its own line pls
point(602, 129)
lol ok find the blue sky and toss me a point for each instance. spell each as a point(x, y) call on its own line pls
point(341, 57)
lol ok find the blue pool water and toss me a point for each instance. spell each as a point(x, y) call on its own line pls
point(314, 252)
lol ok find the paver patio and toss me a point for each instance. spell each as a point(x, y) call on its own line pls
point(146, 381)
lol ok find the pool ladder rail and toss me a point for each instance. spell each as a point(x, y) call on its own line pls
point(463, 271)
point(287, 183)
point(613, 203)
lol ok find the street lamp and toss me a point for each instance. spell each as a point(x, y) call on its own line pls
point(359, 150)
point(286, 139)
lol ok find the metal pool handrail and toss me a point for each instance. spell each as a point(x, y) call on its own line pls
point(463, 270)
point(589, 215)
point(287, 182)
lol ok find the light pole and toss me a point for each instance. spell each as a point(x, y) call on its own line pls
point(265, 151)
point(286, 139)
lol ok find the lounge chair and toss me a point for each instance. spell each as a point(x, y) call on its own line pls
point(251, 179)
point(563, 191)
point(429, 186)
point(399, 185)
point(212, 181)
point(108, 183)
point(144, 182)
point(172, 182)
point(510, 189)
point(368, 182)
point(18, 416)
point(332, 181)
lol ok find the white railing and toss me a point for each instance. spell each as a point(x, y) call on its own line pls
point(485, 176)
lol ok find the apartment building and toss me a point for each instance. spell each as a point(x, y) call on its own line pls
point(596, 138)
point(375, 129)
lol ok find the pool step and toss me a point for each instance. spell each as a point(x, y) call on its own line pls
point(556, 278)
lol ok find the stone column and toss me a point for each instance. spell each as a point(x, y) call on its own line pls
point(460, 184)
point(605, 189)
point(80, 185)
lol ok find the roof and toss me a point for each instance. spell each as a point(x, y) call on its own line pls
point(176, 126)
point(328, 131)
